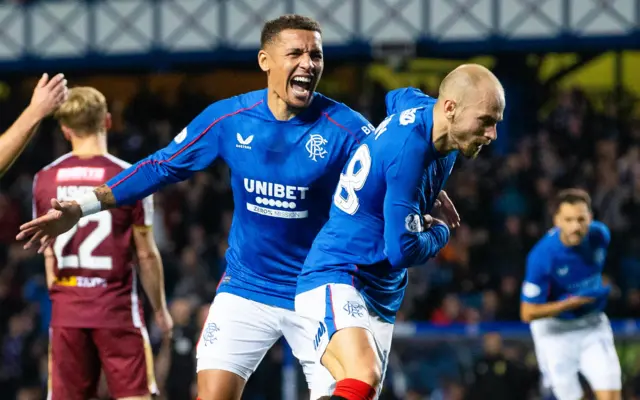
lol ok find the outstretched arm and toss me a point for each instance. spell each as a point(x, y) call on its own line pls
point(47, 96)
point(192, 150)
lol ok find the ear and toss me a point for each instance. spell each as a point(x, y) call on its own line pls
point(450, 107)
point(66, 132)
point(263, 60)
point(108, 121)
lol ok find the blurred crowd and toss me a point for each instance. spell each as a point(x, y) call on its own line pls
point(503, 201)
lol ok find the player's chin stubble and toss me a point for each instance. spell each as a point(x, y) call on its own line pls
point(472, 151)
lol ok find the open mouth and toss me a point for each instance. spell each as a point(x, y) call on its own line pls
point(301, 86)
point(479, 145)
point(575, 238)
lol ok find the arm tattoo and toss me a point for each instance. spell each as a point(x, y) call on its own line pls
point(104, 194)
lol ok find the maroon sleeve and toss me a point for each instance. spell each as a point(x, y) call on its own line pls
point(38, 201)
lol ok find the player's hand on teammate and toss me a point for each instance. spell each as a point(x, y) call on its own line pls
point(445, 206)
point(62, 217)
point(49, 94)
point(164, 322)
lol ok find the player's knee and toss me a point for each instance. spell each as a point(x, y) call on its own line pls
point(354, 349)
point(608, 395)
point(219, 385)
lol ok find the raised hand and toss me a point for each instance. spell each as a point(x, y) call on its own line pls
point(49, 94)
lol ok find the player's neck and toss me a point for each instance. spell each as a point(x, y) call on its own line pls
point(89, 146)
point(279, 108)
point(440, 133)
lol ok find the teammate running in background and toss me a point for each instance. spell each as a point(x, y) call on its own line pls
point(354, 277)
point(97, 321)
point(47, 96)
point(563, 298)
point(285, 146)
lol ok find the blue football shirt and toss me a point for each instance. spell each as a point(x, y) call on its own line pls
point(375, 230)
point(555, 271)
point(283, 174)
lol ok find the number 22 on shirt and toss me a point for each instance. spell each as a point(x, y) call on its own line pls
point(84, 257)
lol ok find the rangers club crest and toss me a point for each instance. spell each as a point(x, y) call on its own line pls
point(315, 146)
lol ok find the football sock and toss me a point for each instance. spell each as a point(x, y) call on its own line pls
point(353, 389)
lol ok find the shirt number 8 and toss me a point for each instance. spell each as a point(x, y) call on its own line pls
point(352, 180)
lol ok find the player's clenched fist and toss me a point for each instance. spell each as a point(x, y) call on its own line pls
point(62, 217)
point(49, 94)
point(429, 221)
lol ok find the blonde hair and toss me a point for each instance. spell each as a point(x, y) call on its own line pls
point(84, 112)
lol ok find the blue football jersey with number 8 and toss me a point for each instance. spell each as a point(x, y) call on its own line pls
point(375, 230)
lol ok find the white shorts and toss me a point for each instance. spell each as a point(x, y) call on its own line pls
point(584, 345)
point(239, 332)
point(337, 306)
